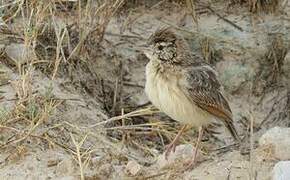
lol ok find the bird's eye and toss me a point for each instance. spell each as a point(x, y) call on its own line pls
point(160, 47)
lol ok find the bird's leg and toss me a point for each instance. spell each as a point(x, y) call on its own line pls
point(193, 160)
point(172, 145)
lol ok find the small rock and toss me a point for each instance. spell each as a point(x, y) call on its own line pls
point(281, 171)
point(133, 168)
point(277, 138)
point(181, 156)
point(19, 53)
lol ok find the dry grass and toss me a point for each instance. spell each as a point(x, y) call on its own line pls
point(208, 50)
point(257, 6)
point(271, 6)
point(271, 64)
point(191, 4)
point(65, 36)
point(80, 156)
point(59, 44)
point(54, 43)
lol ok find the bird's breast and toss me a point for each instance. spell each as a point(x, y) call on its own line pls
point(164, 91)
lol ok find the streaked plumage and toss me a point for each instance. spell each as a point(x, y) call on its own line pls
point(182, 85)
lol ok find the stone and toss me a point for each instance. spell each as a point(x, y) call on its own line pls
point(281, 170)
point(180, 157)
point(277, 138)
point(133, 168)
point(19, 53)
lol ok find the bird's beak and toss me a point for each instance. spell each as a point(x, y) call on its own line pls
point(145, 48)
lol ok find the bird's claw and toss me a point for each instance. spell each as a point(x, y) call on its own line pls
point(170, 148)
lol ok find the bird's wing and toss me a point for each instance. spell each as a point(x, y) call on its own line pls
point(202, 87)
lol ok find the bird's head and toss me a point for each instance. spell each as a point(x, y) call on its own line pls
point(165, 46)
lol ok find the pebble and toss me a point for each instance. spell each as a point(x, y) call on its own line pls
point(281, 171)
point(133, 168)
point(180, 157)
point(19, 53)
point(277, 138)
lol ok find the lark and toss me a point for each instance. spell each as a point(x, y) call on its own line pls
point(184, 86)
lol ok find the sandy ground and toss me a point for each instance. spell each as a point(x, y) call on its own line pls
point(237, 55)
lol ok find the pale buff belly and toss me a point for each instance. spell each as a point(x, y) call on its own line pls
point(168, 97)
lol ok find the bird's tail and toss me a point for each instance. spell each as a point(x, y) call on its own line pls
point(230, 126)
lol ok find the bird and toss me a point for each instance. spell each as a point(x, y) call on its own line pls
point(182, 85)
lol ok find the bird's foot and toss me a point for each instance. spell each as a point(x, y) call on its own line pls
point(170, 148)
point(191, 164)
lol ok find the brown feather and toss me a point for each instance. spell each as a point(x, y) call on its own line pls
point(204, 90)
point(196, 79)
